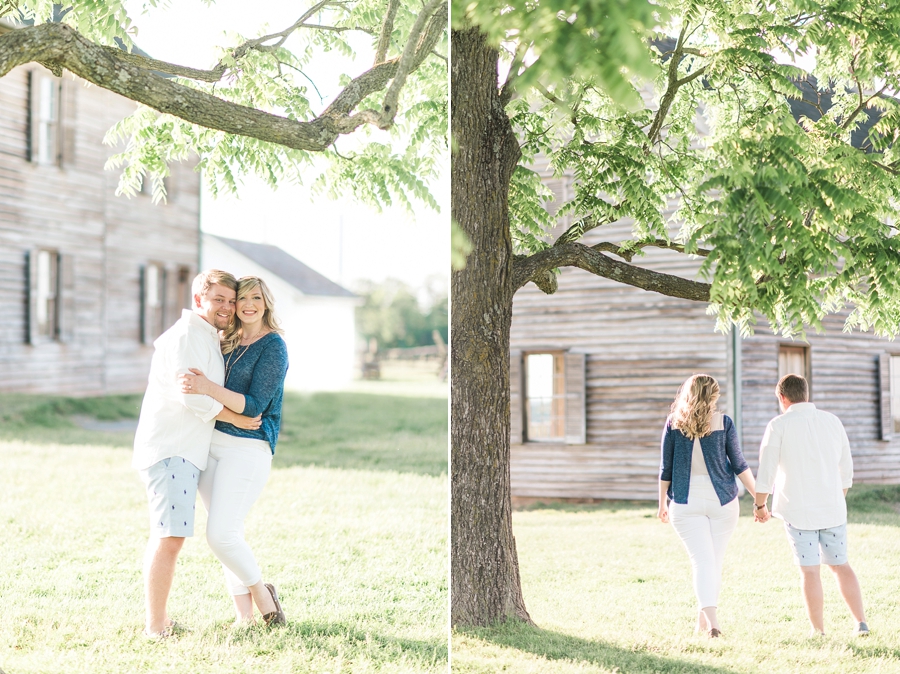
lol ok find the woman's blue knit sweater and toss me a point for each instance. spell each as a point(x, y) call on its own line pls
point(258, 374)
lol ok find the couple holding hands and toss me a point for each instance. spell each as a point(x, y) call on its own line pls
point(209, 423)
point(804, 459)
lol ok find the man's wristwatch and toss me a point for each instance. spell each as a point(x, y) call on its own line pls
point(759, 507)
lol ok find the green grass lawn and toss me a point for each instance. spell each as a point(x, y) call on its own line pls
point(352, 528)
point(609, 589)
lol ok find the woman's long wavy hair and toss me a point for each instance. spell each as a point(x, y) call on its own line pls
point(694, 405)
point(231, 336)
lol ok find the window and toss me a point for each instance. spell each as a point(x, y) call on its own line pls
point(895, 393)
point(793, 360)
point(51, 296)
point(47, 316)
point(547, 394)
point(44, 119)
point(153, 293)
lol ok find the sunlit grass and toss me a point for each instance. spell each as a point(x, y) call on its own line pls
point(359, 554)
point(609, 589)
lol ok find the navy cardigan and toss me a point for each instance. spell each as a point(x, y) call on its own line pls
point(721, 453)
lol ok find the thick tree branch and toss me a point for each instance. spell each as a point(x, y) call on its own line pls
point(409, 60)
point(384, 40)
point(62, 47)
point(578, 255)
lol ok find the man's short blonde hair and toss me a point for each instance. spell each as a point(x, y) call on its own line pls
point(205, 279)
point(794, 388)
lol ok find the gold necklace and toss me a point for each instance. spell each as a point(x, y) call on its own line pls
point(229, 365)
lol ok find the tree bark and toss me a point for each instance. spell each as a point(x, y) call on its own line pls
point(485, 584)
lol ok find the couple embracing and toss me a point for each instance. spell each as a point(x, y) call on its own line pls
point(804, 458)
point(209, 423)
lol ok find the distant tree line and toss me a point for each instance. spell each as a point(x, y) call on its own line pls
point(394, 317)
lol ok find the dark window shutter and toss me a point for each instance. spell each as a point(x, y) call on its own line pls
point(31, 284)
point(67, 117)
point(34, 109)
point(884, 395)
point(66, 294)
point(516, 400)
point(145, 309)
point(576, 424)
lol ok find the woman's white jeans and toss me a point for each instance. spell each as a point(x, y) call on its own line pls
point(235, 475)
point(705, 527)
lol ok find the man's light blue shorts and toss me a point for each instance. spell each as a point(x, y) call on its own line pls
point(822, 546)
point(172, 493)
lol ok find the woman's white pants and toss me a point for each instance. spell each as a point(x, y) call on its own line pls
point(705, 526)
point(235, 475)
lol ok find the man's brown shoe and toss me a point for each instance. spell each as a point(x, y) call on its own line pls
point(276, 617)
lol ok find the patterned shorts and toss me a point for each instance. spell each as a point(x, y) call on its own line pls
point(172, 494)
point(822, 546)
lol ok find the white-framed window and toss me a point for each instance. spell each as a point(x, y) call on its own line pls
point(547, 397)
point(47, 306)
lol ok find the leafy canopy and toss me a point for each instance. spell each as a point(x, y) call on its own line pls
point(278, 75)
point(691, 120)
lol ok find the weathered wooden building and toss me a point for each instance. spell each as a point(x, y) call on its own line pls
point(90, 278)
point(595, 367)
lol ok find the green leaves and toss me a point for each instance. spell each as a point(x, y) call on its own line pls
point(598, 40)
point(794, 208)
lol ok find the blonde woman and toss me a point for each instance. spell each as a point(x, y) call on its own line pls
point(700, 458)
point(240, 459)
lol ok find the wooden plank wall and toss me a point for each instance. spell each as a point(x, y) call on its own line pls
point(74, 209)
point(844, 381)
point(639, 347)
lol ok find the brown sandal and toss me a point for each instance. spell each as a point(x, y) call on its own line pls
point(276, 617)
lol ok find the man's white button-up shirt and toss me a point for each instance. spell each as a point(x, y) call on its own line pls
point(172, 423)
point(805, 458)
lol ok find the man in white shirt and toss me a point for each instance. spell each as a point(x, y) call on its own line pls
point(805, 460)
point(173, 435)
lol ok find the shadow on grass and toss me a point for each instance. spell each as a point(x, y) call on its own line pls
point(558, 646)
point(50, 419)
point(745, 502)
point(336, 640)
point(874, 504)
point(364, 431)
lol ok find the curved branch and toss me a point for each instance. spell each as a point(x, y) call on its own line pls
point(216, 73)
point(627, 253)
point(410, 59)
point(595, 262)
point(387, 27)
point(60, 46)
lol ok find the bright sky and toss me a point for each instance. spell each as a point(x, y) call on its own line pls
point(342, 240)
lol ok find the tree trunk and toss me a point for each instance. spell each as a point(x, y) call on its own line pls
point(485, 585)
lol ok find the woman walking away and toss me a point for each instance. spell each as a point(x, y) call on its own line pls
point(700, 457)
point(240, 460)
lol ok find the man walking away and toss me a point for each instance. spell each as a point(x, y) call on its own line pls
point(174, 432)
point(805, 459)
